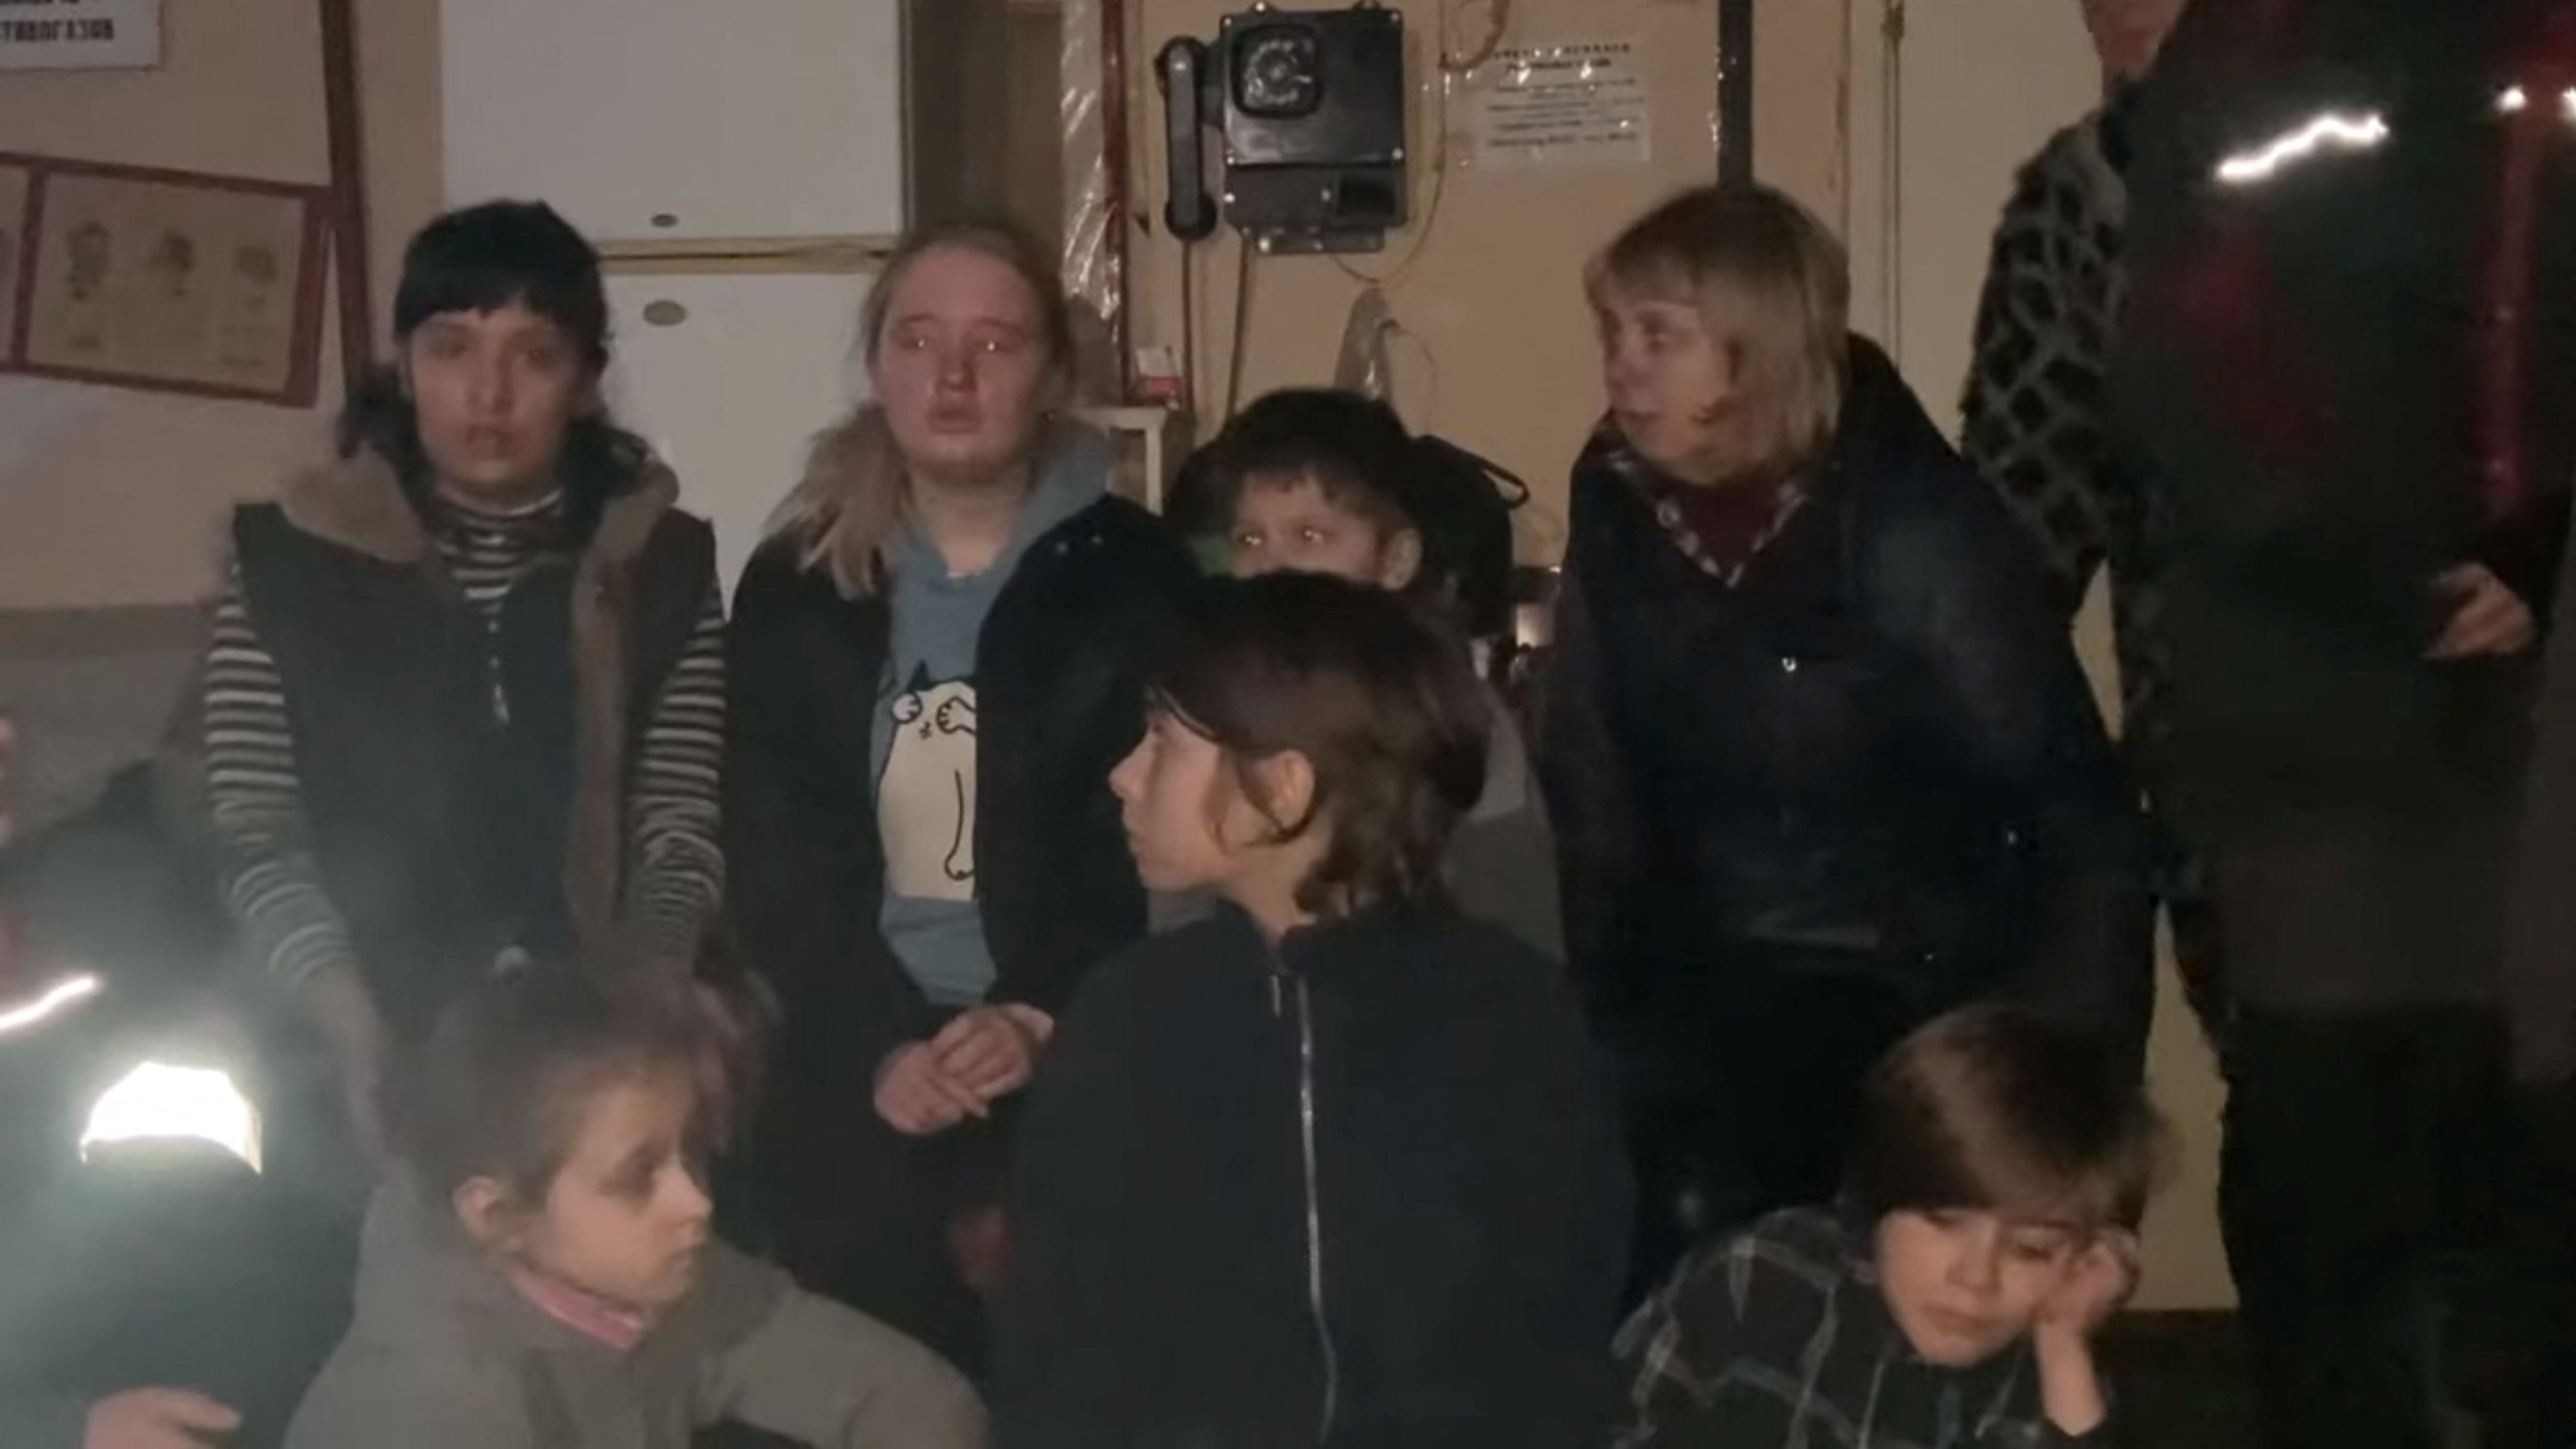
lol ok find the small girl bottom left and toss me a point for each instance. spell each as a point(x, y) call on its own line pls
point(537, 1271)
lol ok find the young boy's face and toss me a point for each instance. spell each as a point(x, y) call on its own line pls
point(1963, 1285)
point(1291, 524)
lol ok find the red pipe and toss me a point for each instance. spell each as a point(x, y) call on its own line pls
point(1115, 159)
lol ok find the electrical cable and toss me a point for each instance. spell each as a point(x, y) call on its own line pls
point(1190, 328)
point(1443, 72)
point(1242, 322)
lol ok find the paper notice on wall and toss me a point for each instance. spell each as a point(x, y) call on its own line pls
point(80, 34)
point(1540, 106)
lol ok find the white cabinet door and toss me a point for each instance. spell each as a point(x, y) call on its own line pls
point(671, 120)
point(730, 378)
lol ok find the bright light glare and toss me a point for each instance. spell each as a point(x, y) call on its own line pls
point(2512, 100)
point(2326, 131)
point(52, 1001)
point(157, 1102)
point(2567, 104)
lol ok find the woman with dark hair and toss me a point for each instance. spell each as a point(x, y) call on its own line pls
point(464, 697)
point(1822, 762)
point(935, 664)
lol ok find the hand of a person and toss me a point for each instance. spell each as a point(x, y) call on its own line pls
point(349, 1023)
point(2097, 1283)
point(992, 1050)
point(2488, 620)
point(917, 1096)
point(157, 1419)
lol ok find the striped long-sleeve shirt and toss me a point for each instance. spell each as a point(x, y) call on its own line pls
point(675, 873)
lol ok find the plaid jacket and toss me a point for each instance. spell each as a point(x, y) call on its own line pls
point(1777, 1338)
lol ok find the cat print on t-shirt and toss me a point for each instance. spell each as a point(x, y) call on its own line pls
point(926, 797)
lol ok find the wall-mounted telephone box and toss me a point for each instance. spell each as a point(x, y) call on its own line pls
point(1309, 107)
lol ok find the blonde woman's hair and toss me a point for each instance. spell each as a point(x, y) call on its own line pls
point(1772, 287)
point(851, 498)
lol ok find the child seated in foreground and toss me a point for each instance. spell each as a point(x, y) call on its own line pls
point(1999, 1170)
point(1315, 480)
point(537, 1273)
point(1333, 1165)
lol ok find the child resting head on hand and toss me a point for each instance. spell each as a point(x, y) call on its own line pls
point(2001, 1163)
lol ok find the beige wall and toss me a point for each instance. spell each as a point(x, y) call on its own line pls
point(109, 496)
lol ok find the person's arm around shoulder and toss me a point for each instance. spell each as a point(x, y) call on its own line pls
point(821, 1374)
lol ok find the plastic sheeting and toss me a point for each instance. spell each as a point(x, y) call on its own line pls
point(1095, 200)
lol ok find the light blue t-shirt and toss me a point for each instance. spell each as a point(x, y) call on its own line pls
point(924, 741)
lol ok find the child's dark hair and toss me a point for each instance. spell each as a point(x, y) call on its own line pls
point(498, 1089)
point(1354, 448)
point(1374, 693)
point(1359, 453)
point(480, 259)
point(1999, 1109)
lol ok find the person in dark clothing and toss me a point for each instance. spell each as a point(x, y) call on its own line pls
point(1822, 761)
point(1332, 1166)
point(1987, 1230)
point(935, 662)
point(2366, 463)
point(2034, 421)
point(464, 695)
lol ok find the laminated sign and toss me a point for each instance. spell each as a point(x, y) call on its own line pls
point(1559, 105)
point(80, 34)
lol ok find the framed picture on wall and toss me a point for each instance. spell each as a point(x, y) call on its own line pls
point(164, 280)
point(17, 190)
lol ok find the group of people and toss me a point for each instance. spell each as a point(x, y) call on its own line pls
point(1259, 1036)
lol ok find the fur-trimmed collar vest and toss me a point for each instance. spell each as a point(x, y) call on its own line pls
point(465, 777)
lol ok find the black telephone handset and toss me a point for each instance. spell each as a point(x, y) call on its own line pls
point(1181, 70)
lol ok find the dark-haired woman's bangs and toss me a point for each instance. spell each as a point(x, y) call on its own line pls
point(435, 286)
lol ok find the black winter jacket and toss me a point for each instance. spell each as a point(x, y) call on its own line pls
point(1358, 1189)
point(1060, 701)
point(1875, 756)
point(2340, 410)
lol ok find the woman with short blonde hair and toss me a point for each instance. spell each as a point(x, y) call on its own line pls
point(1823, 764)
point(934, 664)
point(1773, 292)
